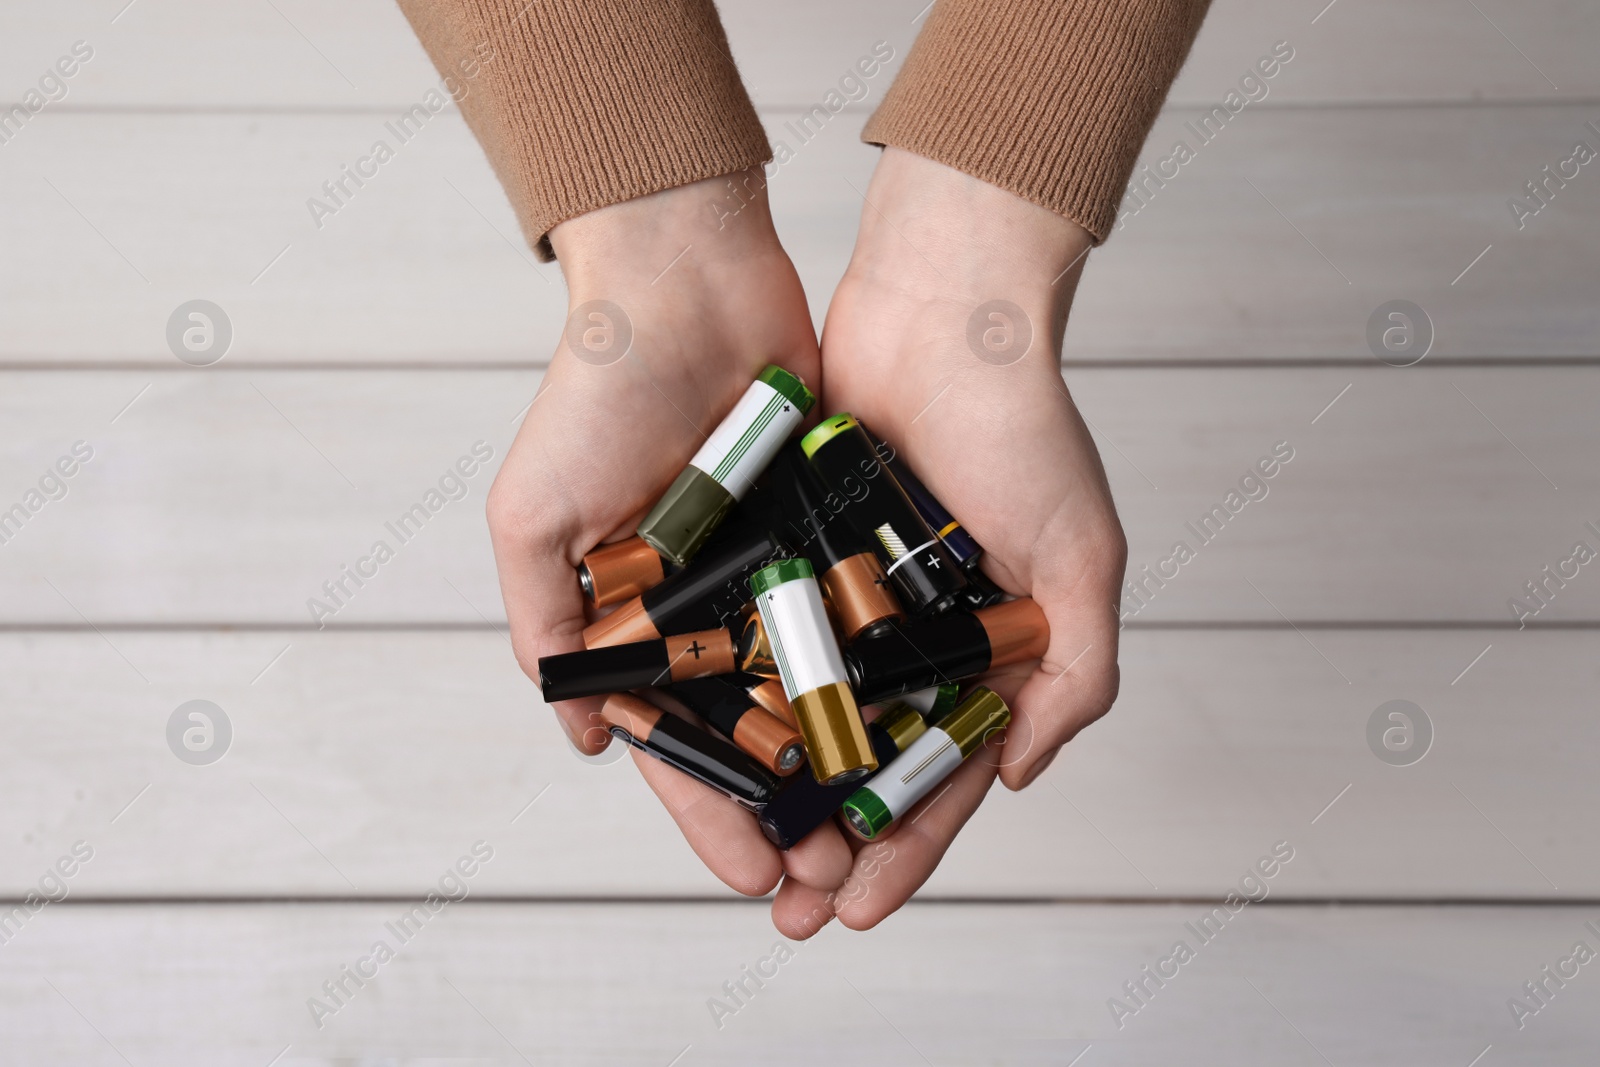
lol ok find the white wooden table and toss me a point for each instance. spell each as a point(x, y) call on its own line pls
point(1230, 313)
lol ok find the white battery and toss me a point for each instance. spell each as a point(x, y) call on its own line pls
point(914, 773)
point(742, 445)
point(797, 628)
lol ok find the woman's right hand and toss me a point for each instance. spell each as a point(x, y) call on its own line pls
point(677, 300)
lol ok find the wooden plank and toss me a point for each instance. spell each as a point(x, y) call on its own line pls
point(1286, 231)
point(1278, 240)
point(235, 54)
point(359, 763)
point(1367, 53)
point(152, 224)
point(233, 497)
point(606, 985)
point(1284, 241)
point(362, 54)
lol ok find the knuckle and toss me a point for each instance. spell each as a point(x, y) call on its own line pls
point(527, 658)
point(507, 510)
point(1103, 692)
point(1112, 546)
point(859, 920)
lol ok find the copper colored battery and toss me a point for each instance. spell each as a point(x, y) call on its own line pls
point(926, 576)
point(945, 648)
point(731, 711)
point(1017, 630)
point(768, 692)
point(612, 573)
point(860, 595)
point(615, 668)
point(709, 592)
point(695, 752)
point(630, 622)
point(852, 579)
point(753, 650)
point(755, 656)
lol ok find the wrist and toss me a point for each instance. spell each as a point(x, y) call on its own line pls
point(721, 222)
point(928, 225)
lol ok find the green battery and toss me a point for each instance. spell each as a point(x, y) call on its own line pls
point(928, 761)
point(727, 465)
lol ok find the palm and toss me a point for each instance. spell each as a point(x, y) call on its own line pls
point(608, 428)
point(999, 441)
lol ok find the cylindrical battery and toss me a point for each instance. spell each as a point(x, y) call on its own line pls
point(813, 673)
point(803, 804)
point(980, 591)
point(961, 544)
point(948, 648)
point(612, 573)
point(726, 466)
point(936, 702)
point(690, 749)
point(768, 692)
point(709, 592)
point(925, 574)
point(850, 573)
point(729, 710)
point(616, 668)
point(925, 764)
point(754, 651)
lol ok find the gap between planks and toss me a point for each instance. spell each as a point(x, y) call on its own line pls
point(802, 109)
point(258, 366)
point(701, 900)
point(1178, 625)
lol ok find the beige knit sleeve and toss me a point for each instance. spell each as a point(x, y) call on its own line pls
point(584, 103)
point(1049, 99)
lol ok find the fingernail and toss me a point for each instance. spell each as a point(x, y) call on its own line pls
point(580, 742)
point(1038, 769)
point(566, 729)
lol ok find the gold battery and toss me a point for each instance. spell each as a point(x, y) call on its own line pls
point(836, 738)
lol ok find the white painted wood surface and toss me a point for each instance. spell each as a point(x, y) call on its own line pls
point(364, 761)
point(361, 53)
point(178, 564)
point(497, 984)
point(231, 497)
point(360, 762)
point(1341, 210)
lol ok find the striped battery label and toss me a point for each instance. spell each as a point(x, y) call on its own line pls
point(895, 546)
point(915, 772)
point(742, 446)
point(802, 641)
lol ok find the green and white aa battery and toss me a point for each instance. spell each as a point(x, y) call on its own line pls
point(812, 671)
point(727, 465)
point(928, 761)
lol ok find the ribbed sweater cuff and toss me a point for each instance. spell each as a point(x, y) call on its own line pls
point(585, 103)
point(1048, 100)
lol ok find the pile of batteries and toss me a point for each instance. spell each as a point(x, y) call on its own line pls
point(773, 591)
